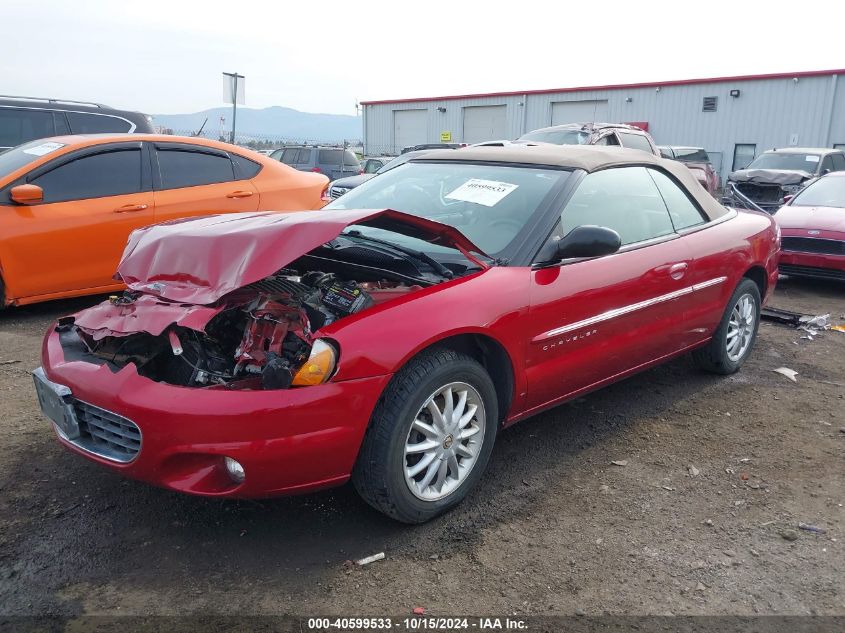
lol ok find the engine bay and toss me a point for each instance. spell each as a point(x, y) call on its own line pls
point(259, 337)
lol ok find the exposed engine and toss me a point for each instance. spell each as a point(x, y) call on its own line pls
point(259, 339)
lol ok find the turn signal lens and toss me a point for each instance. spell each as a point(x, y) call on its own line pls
point(319, 366)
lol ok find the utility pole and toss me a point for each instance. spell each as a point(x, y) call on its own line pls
point(234, 77)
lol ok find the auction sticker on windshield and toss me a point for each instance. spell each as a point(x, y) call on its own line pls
point(486, 192)
point(44, 148)
point(810, 158)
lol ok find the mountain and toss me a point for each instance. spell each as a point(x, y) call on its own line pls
point(274, 123)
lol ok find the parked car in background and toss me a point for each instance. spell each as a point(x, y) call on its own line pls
point(812, 225)
point(779, 173)
point(24, 119)
point(392, 347)
point(68, 203)
point(344, 185)
point(334, 162)
point(422, 146)
point(594, 134)
point(698, 161)
point(371, 164)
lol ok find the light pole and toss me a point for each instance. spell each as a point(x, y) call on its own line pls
point(234, 77)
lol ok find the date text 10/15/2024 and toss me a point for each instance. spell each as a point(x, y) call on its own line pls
point(417, 623)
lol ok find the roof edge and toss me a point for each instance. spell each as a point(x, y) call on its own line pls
point(647, 84)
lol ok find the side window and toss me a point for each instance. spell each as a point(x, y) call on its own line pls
point(277, 154)
point(84, 123)
point(624, 199)
point(350, 159)
point(682, 210)
point(182, 168)
point(610, 139)
point(635, 141)
point(838, 162)
point(304, 157)
point(244, 167)
point(330, 156)
point(289, 155)
point(21, 126)
point(743, 155)
point(372, 166)
point(99, 175)
point(827, 165)
point(60, 119)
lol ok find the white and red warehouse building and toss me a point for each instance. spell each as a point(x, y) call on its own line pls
point(733, 118)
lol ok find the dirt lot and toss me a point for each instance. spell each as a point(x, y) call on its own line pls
point(702, 519)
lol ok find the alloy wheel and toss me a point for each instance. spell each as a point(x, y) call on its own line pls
point(444, 441)
point(741, 327)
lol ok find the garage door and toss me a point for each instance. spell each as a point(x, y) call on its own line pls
point(485, 123)
point(410, 127)
point(579, 112)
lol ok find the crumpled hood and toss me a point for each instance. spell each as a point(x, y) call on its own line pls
point(770, 176)
point(200, 260)
point(818, 218)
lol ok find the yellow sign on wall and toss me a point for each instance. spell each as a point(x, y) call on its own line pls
point(445, 137)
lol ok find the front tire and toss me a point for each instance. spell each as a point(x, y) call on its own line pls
point(430, 437)
point(734, 338)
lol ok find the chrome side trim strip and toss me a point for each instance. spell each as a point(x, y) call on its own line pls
point(617, 312)
point(710, 282)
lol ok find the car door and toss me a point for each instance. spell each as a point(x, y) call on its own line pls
point(591, 320)
point(707, 247)
point(73, 240)
point(191, 180)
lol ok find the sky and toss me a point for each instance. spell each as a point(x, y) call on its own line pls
point(162, 57)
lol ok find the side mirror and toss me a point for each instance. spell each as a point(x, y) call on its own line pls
point(27, 194)
point(582, 241)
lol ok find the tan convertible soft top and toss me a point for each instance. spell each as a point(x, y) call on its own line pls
point(590, 158)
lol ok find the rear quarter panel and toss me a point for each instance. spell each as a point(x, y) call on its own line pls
point(730, 248)
point(283, 188)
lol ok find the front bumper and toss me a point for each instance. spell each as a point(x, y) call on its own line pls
point(818, 265)
point(287, 441)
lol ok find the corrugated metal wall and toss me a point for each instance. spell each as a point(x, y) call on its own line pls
point(768, 113)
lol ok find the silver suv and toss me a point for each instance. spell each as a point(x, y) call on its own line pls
point(334, 162)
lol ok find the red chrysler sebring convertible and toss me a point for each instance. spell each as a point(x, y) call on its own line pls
point(389, 338)
point(813, 226)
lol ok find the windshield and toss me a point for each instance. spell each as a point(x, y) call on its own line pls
point(489, 204)
point(795, 162)
point(21, 155)
point(825, 192)
point(691, 155)
point(558, 137)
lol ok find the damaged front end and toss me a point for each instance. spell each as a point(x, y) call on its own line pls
point(764, 189)
point(258, 337)
point(248, 314)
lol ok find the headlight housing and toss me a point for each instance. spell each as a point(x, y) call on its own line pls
point(319, 367)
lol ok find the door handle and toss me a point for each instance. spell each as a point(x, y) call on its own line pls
point(128, 208)
point(677, 271)
point(239, 194)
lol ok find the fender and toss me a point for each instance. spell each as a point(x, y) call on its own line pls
point(492, 303)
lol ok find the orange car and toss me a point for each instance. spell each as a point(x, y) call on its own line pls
point(68, 204)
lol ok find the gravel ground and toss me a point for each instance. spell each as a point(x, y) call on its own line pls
point(702, 518)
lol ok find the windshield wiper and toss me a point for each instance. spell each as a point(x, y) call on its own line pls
point(439, 268)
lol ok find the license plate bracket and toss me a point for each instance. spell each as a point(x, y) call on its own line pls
point(55, 402)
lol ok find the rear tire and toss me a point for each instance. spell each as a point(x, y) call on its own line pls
point(430, 437)
point(734, 338)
